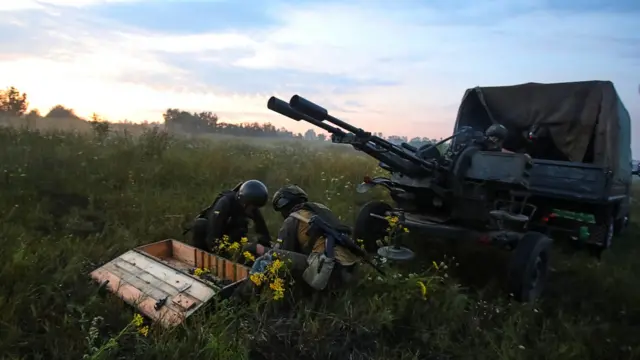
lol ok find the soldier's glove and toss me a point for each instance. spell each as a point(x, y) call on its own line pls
point(261, 263)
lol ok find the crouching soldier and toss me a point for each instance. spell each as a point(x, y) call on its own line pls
point(229, 214)
point(314, 239)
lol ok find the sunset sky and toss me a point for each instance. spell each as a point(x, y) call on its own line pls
point(398, 67)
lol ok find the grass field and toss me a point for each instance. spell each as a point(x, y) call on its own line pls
point(71, 202)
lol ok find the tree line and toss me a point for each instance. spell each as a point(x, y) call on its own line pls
point(15, 103)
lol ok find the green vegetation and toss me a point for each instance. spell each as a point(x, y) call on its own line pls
point(14, 105)
point(72, 201)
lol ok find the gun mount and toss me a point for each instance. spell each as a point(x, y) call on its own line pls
point(472, 190)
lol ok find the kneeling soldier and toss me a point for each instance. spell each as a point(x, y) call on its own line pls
point(314, 239)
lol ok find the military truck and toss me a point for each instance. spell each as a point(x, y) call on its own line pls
point(579, 137)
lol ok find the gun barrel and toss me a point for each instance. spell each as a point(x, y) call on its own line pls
point(318, 112)
point(395, 156)
point(283, 108)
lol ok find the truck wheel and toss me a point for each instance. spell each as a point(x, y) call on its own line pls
point(601, 236)
point(529, 266)
point(368, 228)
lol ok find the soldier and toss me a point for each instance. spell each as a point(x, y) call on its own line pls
point(304, 246)
point(229, 214)
point(496, 135)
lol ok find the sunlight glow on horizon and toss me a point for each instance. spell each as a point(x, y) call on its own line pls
point(66, 52)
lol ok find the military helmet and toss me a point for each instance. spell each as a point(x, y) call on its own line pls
point(287, 195)
point(497, 131)
point(253, 192)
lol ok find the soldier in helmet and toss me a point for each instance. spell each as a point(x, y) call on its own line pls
point(496, 135)
point(229, 214)
point(306, 248)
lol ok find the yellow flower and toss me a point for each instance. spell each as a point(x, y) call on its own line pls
point(257, 278)
point(275, 266)
point(225, 238)
point(277, 285)
point(249, 256)
point(406, 230)
point(393, 220)
point(436, 266)
point(137, 320)
point(199, 271)
point(277, 295)
point(278, 288)
point(244, 240)
point(423, 289)
point(279, 240)
point(234, 247)
point(144, 331)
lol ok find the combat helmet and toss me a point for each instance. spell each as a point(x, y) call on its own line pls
point(253, 192)
point(288, 195)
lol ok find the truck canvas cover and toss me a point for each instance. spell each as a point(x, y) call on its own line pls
point(586, 121)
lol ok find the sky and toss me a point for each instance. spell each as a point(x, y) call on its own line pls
point(397, 67)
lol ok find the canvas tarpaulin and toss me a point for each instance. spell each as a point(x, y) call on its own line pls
point(584, 119)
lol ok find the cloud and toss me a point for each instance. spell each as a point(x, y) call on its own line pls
point(395, 67)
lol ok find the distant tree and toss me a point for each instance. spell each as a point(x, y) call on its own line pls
point(12, 102)
point(210, 118)
point(204, 122)
point(33, 114)
point(310, 135)
point(322, 137)
point(60, 112)
point(100, 127)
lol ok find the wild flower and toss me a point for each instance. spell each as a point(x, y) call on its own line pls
point(137, 320)
point(199, 271)
point(272, 275)
point(258, 278)
point(423, 289)
point(249, 256)
point(144, 331)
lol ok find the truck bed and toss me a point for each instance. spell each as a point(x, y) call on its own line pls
point(569, 180)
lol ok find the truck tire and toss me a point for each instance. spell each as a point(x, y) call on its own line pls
point(529, 267)
point(368, 228)
point(602, 237)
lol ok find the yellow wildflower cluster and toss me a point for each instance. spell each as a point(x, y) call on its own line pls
point(249, 256)
point(360, 243)
point(272, 276)
point(226, 246)
point(138, 322)
point(395, 225)
point(199, 271)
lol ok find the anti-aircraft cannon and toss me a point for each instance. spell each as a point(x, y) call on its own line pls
point(471, 191)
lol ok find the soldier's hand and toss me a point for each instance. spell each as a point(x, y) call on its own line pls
point(255, 249)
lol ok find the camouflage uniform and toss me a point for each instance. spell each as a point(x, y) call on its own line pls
point(294, 236)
